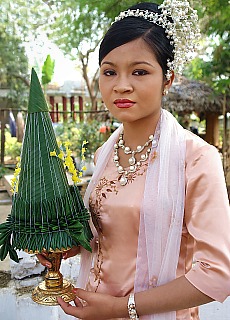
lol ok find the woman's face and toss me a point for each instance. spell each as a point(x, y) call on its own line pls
point(131, 82)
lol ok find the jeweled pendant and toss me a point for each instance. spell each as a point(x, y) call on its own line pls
point(123, 181)
point(127, 150)
point(120, 169)
point(120, 143)
point(115, 158)
point(132, 161)
point(144, 157)
point(132, 168)
point(151, 137)
point(154, 143)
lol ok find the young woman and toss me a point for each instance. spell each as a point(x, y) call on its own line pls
point(158, 198)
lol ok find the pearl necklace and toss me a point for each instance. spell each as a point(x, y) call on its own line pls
point(134, 164)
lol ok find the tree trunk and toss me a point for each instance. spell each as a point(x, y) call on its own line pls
point(212, 129)
point(91, 86)
point(3, 124)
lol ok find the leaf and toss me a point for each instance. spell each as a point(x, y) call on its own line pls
point(47, 70)
point(3, 251)
point(3, 237)
point(4, 227)
point(13, 254)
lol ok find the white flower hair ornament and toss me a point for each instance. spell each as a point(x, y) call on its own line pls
point(180, 22)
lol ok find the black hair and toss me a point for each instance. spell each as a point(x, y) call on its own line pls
point(132, 28)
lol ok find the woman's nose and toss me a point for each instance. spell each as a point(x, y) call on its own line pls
point(123, 85)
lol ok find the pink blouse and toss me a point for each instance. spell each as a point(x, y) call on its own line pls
point(205, 244)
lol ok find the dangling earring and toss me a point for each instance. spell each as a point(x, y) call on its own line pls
point(165, 92)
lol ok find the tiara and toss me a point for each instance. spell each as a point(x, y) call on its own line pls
point(180, 22)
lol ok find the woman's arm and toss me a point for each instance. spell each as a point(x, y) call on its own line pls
point(176, 295)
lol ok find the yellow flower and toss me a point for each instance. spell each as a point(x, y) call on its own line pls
point(61, 155)
point(72, 169)
point(68, 161)
point(67, 144)
point(17, 171)
point(53, 154)
point(68, 152)
point(13, 180)
point(65, 156)
point(76, 179)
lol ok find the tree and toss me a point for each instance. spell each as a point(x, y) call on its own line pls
point(212, 65)
point(13, 68)
point(13, 60)
point(18, 20)
point(214, 68)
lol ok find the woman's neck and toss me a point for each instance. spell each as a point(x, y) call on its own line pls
point(137, 133)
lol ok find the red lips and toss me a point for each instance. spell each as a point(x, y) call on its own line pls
point(124, 103)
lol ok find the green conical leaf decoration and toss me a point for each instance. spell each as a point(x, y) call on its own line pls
point(46, 212)
point(37, 101)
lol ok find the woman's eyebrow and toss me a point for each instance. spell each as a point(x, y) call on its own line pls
point(108, 62)
point(142, 62)
point(132, 64)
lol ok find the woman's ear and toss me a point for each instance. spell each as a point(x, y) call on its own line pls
point(168, 83)
point(171, 79)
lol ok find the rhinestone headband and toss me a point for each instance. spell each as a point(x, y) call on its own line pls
point(183, 31)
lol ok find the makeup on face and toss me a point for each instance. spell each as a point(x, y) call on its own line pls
point(124, 103)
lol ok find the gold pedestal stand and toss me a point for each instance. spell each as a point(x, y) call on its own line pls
point(54, 285)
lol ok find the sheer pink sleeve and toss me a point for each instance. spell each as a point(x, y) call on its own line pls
point(207, 217)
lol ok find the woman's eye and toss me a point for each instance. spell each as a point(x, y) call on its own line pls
point(109, 72)
point(140, 72)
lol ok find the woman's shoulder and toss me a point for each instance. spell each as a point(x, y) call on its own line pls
point(197, 147)
point(96, 154)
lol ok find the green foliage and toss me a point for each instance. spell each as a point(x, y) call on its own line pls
point(12, 147)
point(84, 22)
point(215, 71)
point(47, 70)
point(2, 171)
point(20, 22)
point(214, 16)
point(76, 133)
point(13, 67)
point(13, 59)
point(212, 66)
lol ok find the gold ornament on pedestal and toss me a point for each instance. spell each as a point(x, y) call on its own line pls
point(54, 285)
